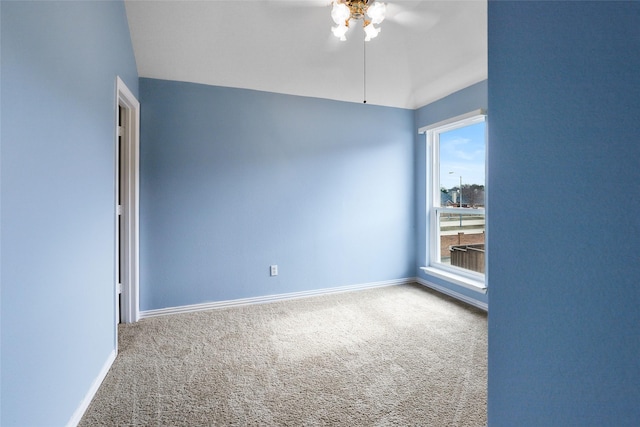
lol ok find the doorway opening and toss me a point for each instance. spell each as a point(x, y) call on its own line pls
point(127, 205)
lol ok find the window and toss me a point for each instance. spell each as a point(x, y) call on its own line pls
point(456, 199)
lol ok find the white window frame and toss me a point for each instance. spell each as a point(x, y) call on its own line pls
point(460, 276)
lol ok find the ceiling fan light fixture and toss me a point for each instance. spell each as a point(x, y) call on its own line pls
point(376, 12)
point(340, 13)
point(345, 10)
point(371, 32)
point(340, 31)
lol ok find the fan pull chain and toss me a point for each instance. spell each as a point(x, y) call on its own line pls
point(364, 71)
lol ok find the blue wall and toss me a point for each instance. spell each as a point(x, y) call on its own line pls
point(59, 66)
point(234, 180)
point(564, 100)
point(464, 101)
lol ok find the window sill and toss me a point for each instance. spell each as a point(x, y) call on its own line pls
point(456, 279)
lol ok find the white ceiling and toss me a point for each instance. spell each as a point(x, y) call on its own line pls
point(425, 51)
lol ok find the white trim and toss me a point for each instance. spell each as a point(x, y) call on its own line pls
point(471, 301)
point(84, 404)
point(463, 211)
point(457, 279)
point(456, 275)
point(443, 123)
point(131, 195)
point(270, 298)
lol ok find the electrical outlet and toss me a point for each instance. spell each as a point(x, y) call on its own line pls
point(274, 270)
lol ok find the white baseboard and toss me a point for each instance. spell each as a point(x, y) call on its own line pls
point(77, 415)
point(270, 298)
point(471, 301)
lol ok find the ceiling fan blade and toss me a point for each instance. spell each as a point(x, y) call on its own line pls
point(409, 14)
point(299, 3)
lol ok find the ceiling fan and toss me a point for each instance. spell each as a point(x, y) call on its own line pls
point(345, 10)
point(371, 12)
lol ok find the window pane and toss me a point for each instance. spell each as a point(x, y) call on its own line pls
point(462, 240)
point(462, 159)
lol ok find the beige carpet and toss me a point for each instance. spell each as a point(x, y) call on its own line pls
point(393, 356)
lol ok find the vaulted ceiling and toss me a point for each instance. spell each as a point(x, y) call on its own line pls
point(426, 49)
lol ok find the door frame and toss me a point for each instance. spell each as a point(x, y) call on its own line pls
point(129, 268)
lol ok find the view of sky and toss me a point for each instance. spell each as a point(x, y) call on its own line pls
point(462, 153)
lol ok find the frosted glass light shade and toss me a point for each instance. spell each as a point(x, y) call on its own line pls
point(371, 32)
point(340, 31)
point(340, 13)
point(376, 12)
